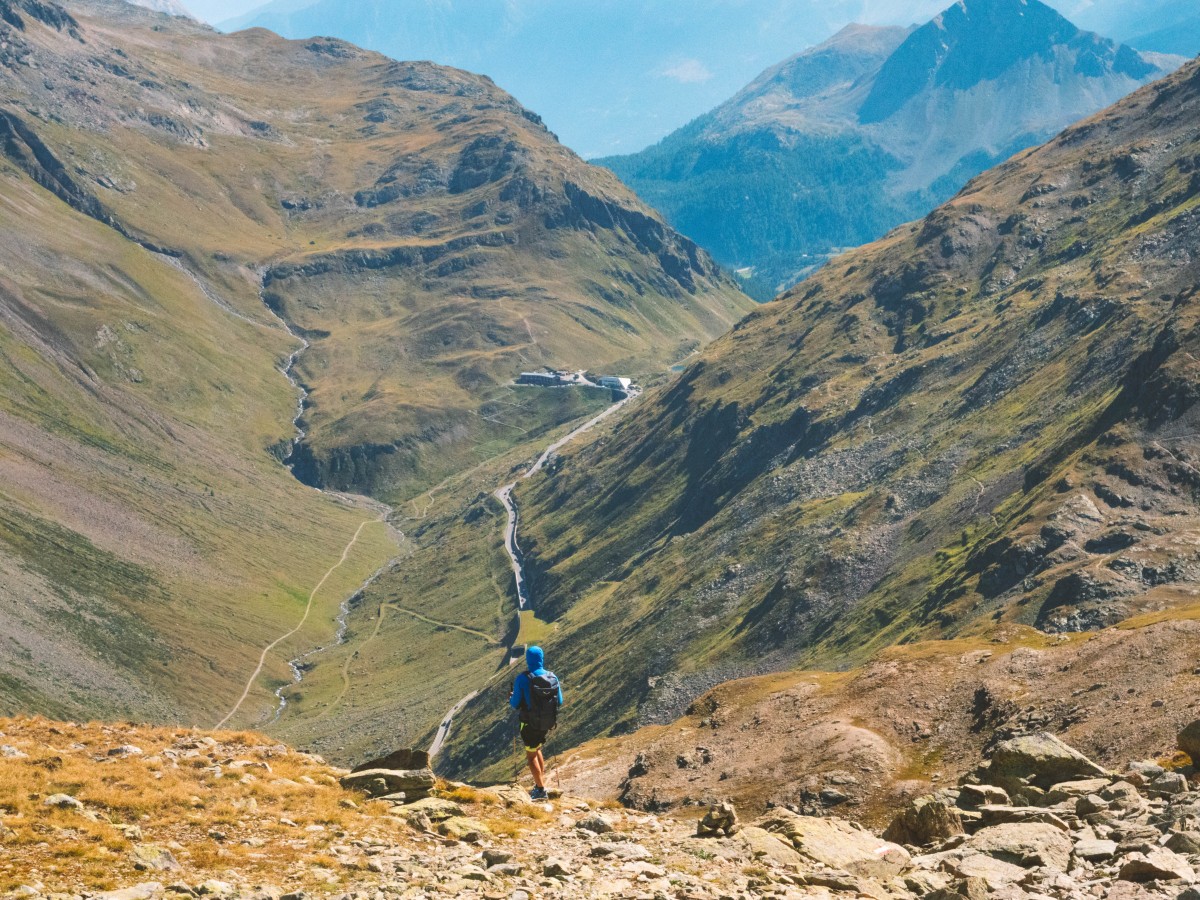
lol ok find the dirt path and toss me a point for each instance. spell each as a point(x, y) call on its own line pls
point(262, 659)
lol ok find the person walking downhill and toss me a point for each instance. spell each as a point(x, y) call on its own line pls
point(536, 695)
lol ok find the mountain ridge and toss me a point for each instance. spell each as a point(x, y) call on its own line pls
point(909, 123)
point(983, 419)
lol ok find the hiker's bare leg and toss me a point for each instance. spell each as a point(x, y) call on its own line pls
point(537, 765)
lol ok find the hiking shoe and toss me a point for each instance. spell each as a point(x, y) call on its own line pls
point(538, 794)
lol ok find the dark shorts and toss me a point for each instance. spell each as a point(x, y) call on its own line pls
point(532, 738)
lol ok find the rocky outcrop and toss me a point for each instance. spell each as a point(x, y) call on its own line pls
point(1189, 741)
point(924, 821)
point(1040, 760)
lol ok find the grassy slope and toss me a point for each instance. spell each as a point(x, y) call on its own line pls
point(911, 445)
point(144, 532)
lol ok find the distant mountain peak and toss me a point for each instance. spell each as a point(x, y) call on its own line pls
point(979, 40)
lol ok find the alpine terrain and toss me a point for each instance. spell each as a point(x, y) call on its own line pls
point(202, 231)
point(980, 428)
point(836, 145)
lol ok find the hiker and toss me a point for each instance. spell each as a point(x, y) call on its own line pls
point(536, 695)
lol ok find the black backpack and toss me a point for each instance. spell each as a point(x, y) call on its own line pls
point(541, 713)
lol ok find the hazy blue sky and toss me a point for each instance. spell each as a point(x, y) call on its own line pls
point(218, 10)
point(612, 76)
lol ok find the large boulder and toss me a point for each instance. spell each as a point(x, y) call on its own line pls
point(1189, 741)
point(1040, 759)
point(763, 846)
point(1025, 844)
point(837, 844)
point(397, 761)
point(381, 782)
point(924, 821)
point(1157, 865)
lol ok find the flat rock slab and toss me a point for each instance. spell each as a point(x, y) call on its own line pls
point(761, 845)
point(393, 780)
point(838, 844)
point(1025, 844)
point(397, 760)
point(1069, 790)
point(137, 892)
point(435, 808)
point(1002, 815)
point(980, 865)
point(1042, 757)
point(1096, 850)
point(1157, 865)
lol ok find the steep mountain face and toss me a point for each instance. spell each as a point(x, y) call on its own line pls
point(166, 195)
point(421, 229)
point(986, 419)
point(839, 144)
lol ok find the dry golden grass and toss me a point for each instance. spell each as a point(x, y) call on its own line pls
point(224, 804)
point(464, 793)
point(228, 801)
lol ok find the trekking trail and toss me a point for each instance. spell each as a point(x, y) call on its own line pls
point(504, 495)
point(288, 370)
point(262, 659)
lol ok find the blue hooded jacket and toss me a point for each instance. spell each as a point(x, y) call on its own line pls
point(535, 659)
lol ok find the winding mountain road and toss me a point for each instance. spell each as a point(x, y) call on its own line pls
point(504, 495)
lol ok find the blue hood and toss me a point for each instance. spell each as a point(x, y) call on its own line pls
point(534, 658)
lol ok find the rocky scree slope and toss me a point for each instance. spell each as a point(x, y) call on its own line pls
point(916, 717)
point(424, 232)
point(833, 147)
point(141, 814)
point(985, 418)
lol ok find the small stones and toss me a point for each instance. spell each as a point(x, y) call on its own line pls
point(125, 750)
point(595, 823)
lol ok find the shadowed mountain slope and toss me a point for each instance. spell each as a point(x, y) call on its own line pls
point(987, 417)
point(835, 146)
